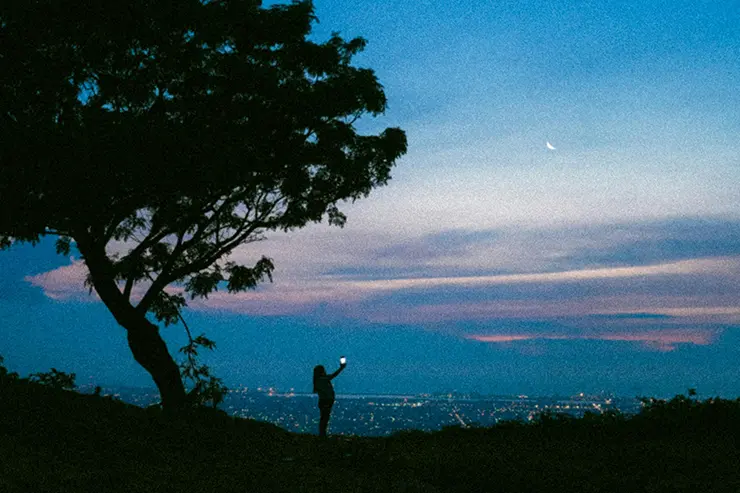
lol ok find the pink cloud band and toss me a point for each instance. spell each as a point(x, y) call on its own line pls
point(660, 340)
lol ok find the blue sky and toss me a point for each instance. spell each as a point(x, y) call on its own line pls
point(489, 263)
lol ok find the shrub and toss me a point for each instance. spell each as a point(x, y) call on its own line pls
point(5, 374)
point(55, 379)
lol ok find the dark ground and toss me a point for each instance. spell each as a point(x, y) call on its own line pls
point(56, 440)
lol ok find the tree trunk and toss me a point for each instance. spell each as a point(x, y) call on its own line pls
point(147, 346)
point(150, 351)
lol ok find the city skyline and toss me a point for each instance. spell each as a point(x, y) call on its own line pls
point(383, 415)
point(566, 219)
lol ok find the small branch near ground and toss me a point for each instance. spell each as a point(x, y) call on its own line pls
point(206, 387)
point(190, 354)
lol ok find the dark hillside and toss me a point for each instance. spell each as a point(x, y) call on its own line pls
point(56, 440)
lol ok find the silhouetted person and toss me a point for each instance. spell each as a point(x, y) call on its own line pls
point(322, 386)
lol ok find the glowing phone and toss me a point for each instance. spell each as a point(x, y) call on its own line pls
point(342, 360)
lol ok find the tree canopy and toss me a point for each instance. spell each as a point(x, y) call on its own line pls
point(183, 129)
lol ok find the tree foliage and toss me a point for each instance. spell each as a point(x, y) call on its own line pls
point(158, 136)
point(186, 128)
point(204, 387)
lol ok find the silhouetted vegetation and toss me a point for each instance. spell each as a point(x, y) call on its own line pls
point(53, 439)
point(186, 129)
point(205, 388)
point(55, 378)
point(4, 373)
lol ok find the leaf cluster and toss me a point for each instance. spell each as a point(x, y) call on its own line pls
point(205, 387)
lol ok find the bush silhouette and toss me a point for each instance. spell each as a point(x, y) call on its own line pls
point(55, 378)
point(56, 440)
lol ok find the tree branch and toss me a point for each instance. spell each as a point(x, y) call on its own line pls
point(161, 281)
point(153, 239)
point(147, 242)
point(239, 237)
point(191, 360)
point(247, 228)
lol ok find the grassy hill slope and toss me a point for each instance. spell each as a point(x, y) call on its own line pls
point(56, 440)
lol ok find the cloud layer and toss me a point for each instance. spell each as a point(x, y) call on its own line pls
point(657, 284)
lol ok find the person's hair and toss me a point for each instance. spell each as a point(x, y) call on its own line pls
point(318, 371)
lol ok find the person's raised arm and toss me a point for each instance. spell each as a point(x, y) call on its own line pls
point(341, 367)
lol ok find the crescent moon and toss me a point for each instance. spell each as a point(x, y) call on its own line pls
point(550, 146)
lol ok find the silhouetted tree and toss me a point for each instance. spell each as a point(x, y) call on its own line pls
point(180, 129)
